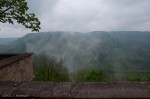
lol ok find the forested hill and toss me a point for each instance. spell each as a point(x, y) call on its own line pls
point(117, 51)
point(6, 40)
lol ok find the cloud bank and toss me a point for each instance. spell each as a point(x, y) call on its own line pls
point(85, 16)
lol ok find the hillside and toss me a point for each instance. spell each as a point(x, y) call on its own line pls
point(6, 40)
point(116, 52)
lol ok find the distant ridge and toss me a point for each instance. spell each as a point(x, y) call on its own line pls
point(122, 52)
point(6, 40)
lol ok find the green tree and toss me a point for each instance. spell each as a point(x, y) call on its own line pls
point(11, 10)
point(90, 75)
point(49, 68)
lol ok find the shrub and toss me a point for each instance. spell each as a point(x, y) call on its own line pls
point(138, 78)
point(48, 68)
point(146, 77)
point(133, 78)
point(89, 75)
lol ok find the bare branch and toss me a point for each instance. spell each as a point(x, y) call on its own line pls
point(6, 10)
point(2, 20)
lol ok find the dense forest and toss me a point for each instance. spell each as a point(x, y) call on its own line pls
point(119, 53)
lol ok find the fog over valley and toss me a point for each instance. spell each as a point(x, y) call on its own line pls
point(117, 52)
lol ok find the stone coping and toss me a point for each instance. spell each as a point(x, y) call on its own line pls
point(12, 58)
point(75, 90)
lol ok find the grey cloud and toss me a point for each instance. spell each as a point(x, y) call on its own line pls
point(41, 6)
point(104, 15)
point(91, 15)
point(124, 3)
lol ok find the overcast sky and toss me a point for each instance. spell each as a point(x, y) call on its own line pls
point(85, 16)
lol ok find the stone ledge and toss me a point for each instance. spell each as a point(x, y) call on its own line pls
point(74, 90)
point(12, 58)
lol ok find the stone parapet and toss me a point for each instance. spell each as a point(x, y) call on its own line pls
point(16, 67)
point(74, 90)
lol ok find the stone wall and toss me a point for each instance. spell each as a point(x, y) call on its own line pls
point(70, 90)
point(17, 68)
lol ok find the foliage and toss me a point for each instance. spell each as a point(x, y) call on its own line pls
point(133, 78)
point(48, 68)
point(137, 78)
point(11, 10)
point(89, 75)
point(147, 77)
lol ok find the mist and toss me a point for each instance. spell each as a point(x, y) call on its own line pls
point(118, 53)
point(74, 48)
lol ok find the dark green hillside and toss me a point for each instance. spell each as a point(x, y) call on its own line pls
point(119, 52)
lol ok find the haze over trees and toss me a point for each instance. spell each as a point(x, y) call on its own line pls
point(116, 53)
point(12, 11)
